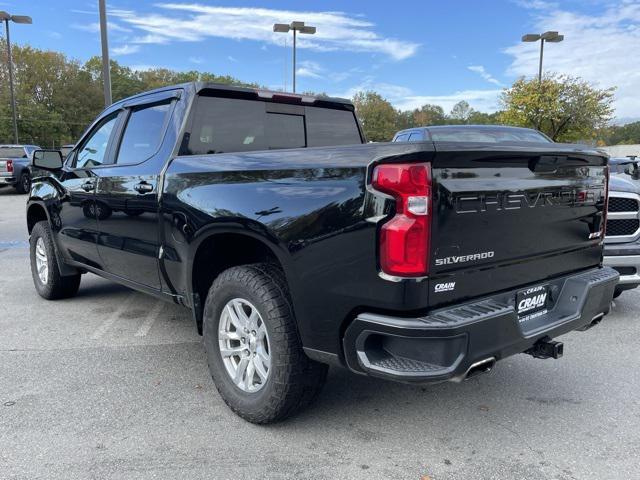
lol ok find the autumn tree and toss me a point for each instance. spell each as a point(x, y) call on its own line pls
point(565, 108)
point(429, 115)
point(378, 117)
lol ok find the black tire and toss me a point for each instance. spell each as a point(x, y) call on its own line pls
point(294, 380)
point(56, 286)
point(24, 183)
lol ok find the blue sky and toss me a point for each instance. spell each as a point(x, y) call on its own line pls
point(412, 52)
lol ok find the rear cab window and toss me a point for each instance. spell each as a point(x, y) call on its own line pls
point(12, 152)
point(224, 125)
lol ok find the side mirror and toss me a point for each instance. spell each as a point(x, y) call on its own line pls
point(47, 159)
point(633, 170)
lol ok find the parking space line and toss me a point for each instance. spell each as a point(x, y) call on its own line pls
point(150, 319)
point(113, 317)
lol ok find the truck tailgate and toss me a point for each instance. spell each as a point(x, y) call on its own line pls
point(506, 216)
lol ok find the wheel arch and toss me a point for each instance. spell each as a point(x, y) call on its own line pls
point(36, 212)
point(219, 249)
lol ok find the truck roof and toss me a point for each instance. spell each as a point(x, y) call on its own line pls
point(284, 97)
point(470, 127)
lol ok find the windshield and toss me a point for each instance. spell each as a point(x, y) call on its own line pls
point(486, 135)
point(12, 152)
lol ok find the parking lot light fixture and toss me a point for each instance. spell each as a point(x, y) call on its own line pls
point(296, 27)
point(551, 36)
point(6, 18)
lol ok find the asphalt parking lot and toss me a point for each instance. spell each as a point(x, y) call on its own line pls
point(113, 384)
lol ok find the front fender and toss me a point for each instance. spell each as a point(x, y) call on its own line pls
point(46, 195)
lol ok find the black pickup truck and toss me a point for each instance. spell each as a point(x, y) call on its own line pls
point(296, 245)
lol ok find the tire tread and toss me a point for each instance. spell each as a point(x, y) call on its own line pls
point(298, 379)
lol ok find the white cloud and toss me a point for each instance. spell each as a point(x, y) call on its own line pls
point(196, 60)
point(536, 4)
point(309, 69)
point(232, 59)
point(480, 70)
point(603, 48)
point(336, 31)
point(125, 49)
point(404, 98)
point(144, 66)
point(94, 27)
point(482, 100)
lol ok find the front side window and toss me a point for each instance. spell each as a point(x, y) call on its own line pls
point(94, 150)
point(143, 134)
point(402, 138)
point(415, 137)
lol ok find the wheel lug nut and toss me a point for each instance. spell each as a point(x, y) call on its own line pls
point(253, 332)
point(246, 353)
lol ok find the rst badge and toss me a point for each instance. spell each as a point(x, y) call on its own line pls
point(532, 302)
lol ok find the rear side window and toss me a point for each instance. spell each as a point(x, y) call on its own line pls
point(222, 125)
point(415, 137)
point(143, 133)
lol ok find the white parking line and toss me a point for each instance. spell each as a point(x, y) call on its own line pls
point(110, 320)
point(150, 319)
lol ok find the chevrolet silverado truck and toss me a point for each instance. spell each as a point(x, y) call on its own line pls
point(297, 245)
point(622, 241)
point(14, 166)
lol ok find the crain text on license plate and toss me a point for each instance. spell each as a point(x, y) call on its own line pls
point(532, 302)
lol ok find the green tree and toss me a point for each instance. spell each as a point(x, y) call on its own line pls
point(57, 97)
point(565, 108)
point(628, 134)
point(481, 118)
point(124, 81)
point(379, 118)
point(461, 112)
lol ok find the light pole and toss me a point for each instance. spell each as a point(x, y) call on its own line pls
point(16, 19)
point(296, 27)
point(551, 36)
point(106, 71)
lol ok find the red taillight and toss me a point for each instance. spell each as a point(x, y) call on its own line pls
point(10, 166)
point(404, 240)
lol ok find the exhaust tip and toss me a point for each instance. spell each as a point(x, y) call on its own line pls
point(478, 368)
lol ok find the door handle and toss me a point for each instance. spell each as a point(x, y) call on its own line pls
point(87, 186)
point(143, 187)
